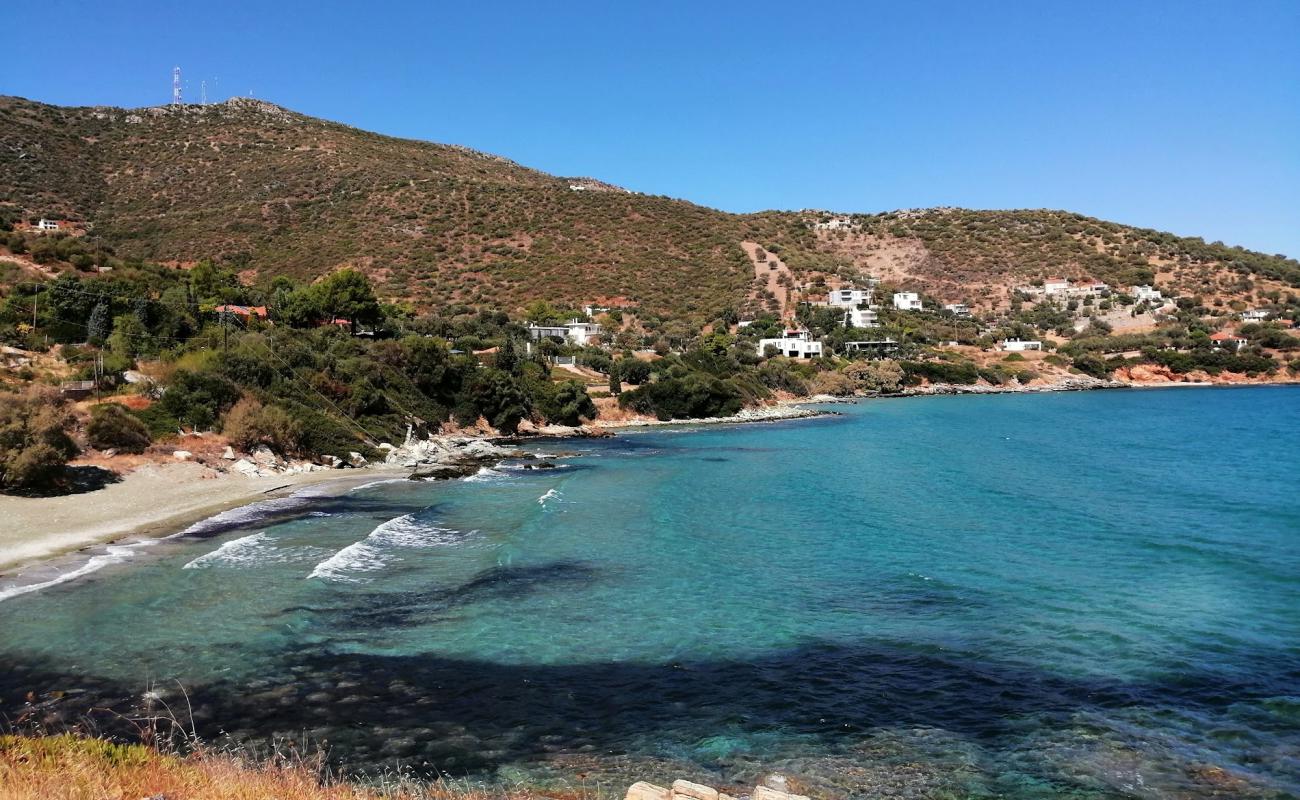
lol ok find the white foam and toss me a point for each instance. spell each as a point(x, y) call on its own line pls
point(253, 549)
point(376, 550)
point(551, 494)
point(113, 554)
point(356, 489)
point(485, 474)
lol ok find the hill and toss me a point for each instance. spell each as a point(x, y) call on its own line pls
point(271, 192)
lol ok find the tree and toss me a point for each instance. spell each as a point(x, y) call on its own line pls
point(507, 359)
point(615, 386)
point(249, 424)
point(567, 404)
point(496, 396)
point(348, 294)
point(100, 324)
point(883, 376)
point(112, 426)
point(34, 445)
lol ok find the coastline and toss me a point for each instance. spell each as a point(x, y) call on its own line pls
point(159, 500)
point(151, 502)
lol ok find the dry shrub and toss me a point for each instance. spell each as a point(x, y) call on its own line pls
point(249, 424)
point(76, 768)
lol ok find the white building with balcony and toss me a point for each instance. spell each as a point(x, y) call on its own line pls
point(907, 301)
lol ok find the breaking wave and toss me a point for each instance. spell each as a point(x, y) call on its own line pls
point(113, 554)
point(376, 550)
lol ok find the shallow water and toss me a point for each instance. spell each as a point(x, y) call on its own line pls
point(1074, 595)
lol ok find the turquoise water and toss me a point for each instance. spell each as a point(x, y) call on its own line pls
point(1073, 595)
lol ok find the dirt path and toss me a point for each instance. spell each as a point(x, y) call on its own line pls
point(770, 271)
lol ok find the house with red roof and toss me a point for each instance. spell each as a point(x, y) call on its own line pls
point(1224, 339)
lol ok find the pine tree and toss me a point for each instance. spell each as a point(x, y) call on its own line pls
point(100, 324)
point(615, 385)
point(507, 359)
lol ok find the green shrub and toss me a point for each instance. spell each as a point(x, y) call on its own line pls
point(112, 426)
point(696, 395)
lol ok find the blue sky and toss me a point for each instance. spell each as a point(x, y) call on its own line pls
point(1183, 116)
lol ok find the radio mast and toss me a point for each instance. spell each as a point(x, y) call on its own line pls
point(176, 86)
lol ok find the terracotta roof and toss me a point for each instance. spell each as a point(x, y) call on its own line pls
point(1224, 336)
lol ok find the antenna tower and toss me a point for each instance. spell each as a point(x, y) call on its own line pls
point(176, 86)
point(203, 93)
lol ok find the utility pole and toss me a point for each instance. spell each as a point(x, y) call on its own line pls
point(225, 332)
point(36, 298)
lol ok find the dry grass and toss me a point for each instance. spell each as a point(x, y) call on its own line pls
point(76, 768)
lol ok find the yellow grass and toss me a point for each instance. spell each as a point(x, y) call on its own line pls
point(76, 768)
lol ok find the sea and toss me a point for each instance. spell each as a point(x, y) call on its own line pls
point(1074, 595)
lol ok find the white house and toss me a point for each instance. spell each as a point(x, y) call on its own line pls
point(537, 332)
point(1226, 340)
point(1254, 315)
point(849, 298)
point(878, 348)
point(794, 344)
point(960, 309)
point(907, 301)
point(862, 318)
point(835, 224)
point(47, 225)
point(582, 333)
point(1147, 293)
point(1053, 286)
point(1092, 289)
point(1020, 345)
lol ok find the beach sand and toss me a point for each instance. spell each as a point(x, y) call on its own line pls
point(150, 501)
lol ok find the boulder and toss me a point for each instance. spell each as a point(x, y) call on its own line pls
point(768, 793)
point(246, 467)
point(229, 453)
point(646, 791)
point(334, 462)
point(443, 472)
point(182, 455)
point(357, 460)
point(385, 446)
point(265, 457)
point(685, 790)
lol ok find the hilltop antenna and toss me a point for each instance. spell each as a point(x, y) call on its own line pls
point(176, 86)
point(203, 93)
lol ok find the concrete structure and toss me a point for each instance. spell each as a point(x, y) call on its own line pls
point(862, 318)
point(878, 348)
point(1055, 286)
point(1255, 315)
point(793, 344)
point(907, 301)
point(850, 298)
point(46, 225)
point(538, 332)
point(1147, 294)
point(960, 309)
point(836, 224)
point(1020, 345)
point(582, 333)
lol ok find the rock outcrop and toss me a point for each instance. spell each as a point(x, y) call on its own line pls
point(687, 790)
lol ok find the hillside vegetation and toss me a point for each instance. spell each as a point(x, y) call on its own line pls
point(268, 192)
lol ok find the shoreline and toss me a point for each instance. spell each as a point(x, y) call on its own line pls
point(161, 500)
point(148, 504)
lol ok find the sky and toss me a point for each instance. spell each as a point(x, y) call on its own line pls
point(1179, 115)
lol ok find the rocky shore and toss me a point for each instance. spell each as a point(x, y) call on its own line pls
point(1077, 383)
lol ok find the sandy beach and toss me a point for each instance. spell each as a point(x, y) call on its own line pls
point(152, 500)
